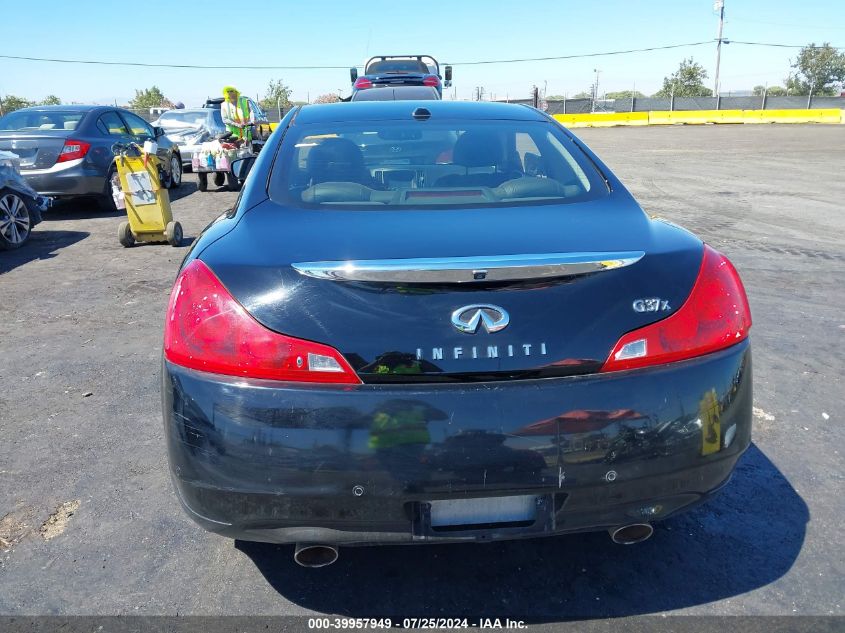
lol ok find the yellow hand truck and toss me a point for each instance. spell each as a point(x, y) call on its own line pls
point(150, 218)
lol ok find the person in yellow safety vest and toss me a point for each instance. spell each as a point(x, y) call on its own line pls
point(237, 114)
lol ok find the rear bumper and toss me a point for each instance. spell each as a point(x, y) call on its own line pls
point(74, 178)
point(283, 463)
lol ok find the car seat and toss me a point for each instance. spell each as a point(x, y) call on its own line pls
point(337, 160)
point(483, 151)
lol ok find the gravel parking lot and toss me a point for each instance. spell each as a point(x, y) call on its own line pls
point(90, 525)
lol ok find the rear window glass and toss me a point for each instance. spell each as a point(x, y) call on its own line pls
point(404, 164)
point(397, 66)
point(34, 120)
point(396, 93)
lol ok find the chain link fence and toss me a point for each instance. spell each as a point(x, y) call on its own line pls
point(643, 104)
point(649, 104)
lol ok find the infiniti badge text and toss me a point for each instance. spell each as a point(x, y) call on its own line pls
point(484, 351)
point(467, 319)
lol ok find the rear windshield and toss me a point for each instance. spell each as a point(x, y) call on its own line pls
point(397, 93)
point(36, 120)
point(397, 66)
point(177, 118)
point(404, 164)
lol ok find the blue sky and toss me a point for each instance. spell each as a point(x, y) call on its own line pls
point(345, 33)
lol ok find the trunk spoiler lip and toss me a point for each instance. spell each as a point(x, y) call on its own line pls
point(479, 268)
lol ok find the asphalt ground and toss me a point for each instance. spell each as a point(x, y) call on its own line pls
point(80, 421)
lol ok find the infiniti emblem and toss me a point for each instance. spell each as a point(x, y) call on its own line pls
point(467, 318)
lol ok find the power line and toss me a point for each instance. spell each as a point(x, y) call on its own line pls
point(779, 45)
point(792, 26)
point(579, 56)
point(146, 65)
point(472, 63)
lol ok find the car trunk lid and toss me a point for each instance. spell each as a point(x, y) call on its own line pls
point(37, 151)
point(405, 298)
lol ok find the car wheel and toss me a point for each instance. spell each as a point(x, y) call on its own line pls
point(15, 224)
point(173, 233)
point(105, 201)
point(202, 181)
point(125, 235)
point(175, 178)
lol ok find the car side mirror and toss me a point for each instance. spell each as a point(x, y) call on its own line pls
point(242, 166)
point(353, 74)
point(159, 131)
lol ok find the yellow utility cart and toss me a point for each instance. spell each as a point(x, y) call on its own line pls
point(146, 200)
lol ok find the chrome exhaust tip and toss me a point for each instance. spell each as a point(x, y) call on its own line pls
point(315, 555)
point(630, 534)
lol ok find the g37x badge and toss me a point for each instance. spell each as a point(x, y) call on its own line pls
point(654, 304)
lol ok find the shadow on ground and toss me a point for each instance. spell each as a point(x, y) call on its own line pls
point(78, 209)
point(745, 538)
point(182, 191)
point(42, 244)
point(87, 208)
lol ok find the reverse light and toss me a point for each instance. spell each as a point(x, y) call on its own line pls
point(716, 315)
point(363, 83)
point(208, 330)
point(72, 150)
point(431, 80)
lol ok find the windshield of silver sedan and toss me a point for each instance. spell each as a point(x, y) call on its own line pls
point(453, 163)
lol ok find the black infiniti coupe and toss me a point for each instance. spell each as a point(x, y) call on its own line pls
point(444, 321)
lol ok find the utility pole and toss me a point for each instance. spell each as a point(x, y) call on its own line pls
point(595, 90)
point(719, 5)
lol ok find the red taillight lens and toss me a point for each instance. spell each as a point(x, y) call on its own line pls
point(362, 83)
point(73, 150)
point(431, 80)
point(208, 330)
point(715, 315)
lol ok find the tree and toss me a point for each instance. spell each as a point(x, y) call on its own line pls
point(625, 94)
point(51, 100)
point(149, 98)
point(793, 86)
point(555, 98)
point(819, 69)
point(582, 95)
point(687, 81)
point(327, 98)
point(10, 103)
point(277, 94)
point(772, 91)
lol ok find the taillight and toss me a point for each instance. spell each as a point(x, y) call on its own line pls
point(362, 83)
point(73, 150)
point(208, 330)
point(431, 80)
point(715, 316)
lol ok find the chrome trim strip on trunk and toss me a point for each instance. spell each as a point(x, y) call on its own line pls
point(468, 269)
